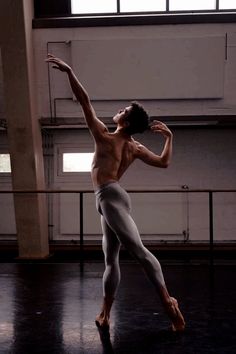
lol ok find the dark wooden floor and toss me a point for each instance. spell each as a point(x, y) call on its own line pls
point(50, 308)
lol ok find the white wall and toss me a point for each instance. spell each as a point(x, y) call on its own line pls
point(163, 107)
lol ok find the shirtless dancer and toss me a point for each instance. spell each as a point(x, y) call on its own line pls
point(114, 153)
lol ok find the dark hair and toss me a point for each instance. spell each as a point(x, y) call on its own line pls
point(138, 119)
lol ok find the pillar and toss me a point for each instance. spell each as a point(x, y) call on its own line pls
point(24, 133)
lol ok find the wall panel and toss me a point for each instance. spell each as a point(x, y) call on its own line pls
point(156, 68)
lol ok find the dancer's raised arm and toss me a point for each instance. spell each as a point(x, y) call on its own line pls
point(96, 126)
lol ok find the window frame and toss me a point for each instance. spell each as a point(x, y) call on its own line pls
point(164, 12)
point(81, 178)
point(52, 17)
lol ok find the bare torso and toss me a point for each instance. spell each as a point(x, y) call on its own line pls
point(113, 155)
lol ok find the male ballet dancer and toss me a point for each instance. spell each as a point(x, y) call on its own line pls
point(114, 153)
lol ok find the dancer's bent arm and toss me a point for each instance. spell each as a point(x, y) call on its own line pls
point(152, 159)
point(96, 126)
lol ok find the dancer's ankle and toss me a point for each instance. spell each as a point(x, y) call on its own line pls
point(103, 319)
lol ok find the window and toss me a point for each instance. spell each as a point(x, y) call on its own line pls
point(188, 5)
point(227, 4)
point(5, 163)
point(77, 162)
point(93, 6)
point(126, 6)
point(93, 13)
point(142, 6)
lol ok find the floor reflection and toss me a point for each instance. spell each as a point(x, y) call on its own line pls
point(50, 308)
point(105, 338)
point(38, 299)
point(6, 307)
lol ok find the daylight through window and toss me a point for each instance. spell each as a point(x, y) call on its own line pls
point(5, 163)
point(227, 4)
point(184, 5)
point(77, 162)
point(126, 6)
point(142, 6)
point(93, 6)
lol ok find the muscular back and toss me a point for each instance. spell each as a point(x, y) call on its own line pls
point(113, 155)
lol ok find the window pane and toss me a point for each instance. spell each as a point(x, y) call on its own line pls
point(142, 6)
point(5, 163)
point(93, 6)
point(227, 4)
point(176, 5)
point(77, 162)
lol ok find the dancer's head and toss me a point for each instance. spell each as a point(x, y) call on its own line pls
point(134, 119)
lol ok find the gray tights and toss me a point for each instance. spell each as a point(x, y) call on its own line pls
point(113, 203)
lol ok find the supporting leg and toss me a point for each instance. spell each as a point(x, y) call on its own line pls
point(111, 276)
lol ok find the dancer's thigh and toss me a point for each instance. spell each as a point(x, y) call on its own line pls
point(122, 224)
point(110, 242)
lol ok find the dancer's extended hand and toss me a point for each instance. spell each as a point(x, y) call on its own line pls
point(59, 64)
